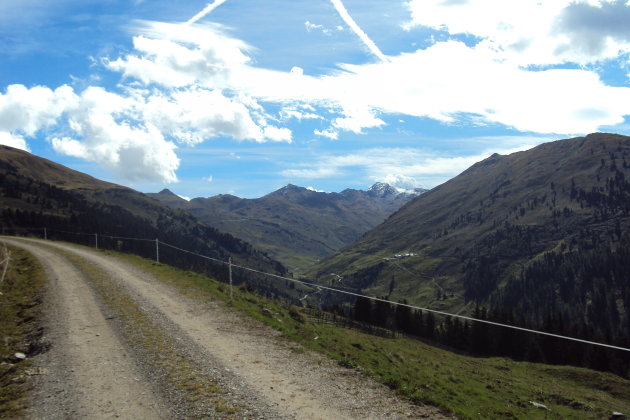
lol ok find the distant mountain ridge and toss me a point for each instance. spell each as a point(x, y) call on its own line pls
point(38, 193)
point(296, 225)
point(540, 236)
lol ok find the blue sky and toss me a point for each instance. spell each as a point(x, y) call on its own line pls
point(243, 97)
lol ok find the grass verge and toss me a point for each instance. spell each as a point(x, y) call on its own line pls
point(472, 388)
point(20, 297)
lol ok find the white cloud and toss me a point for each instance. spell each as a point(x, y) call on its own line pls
point(357, 118)
point(315, 172)
point(449, 79)
point(400, 181)
point(197, 65)
point(277, 134)
point(596, 30)
point(314, 189)
point(526, 32)
point(189, 83)
point(30, 110)
point(13, 140)
point(103, 132)
point(297, 71)
point(192, 116)
point(134, 133)
point(299, 114)
point(403, 168)
point(175, 55)
point(310, 27)
point(331, 134)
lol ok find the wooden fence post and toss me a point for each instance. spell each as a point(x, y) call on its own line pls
point(230, 276)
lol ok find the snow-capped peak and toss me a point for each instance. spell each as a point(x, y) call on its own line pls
point(381, 189)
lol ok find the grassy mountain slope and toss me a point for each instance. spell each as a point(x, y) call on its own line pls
point(481, 237)
point(470, 387)
point(38, 193)
point(294, 224)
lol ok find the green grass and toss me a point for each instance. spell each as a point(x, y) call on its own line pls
point(19, 306)
point(473, 388)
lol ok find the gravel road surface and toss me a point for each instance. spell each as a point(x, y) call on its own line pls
point(91, 372)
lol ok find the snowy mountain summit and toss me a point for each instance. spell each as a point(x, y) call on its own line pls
point(384, 190)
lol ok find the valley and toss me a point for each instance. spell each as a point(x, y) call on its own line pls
point(531, 236)
point(535, 239)
point(295, 225)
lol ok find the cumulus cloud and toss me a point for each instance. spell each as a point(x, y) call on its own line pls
point(192, 116)
point(526, 32)
point(100, 133)
point(30, 110)
point(176, 95)
point(13, 140)
point(595, 30)
point(400, 181)
point(175, 55)
point(197, 64)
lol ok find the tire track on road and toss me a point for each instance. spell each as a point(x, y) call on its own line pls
point(295, 384)
point(89, 372)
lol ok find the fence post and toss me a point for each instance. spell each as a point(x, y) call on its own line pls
point(7, 259)
point(96, 240)
point(157, 250)
point(230, 276)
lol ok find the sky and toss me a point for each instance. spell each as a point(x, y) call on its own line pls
point(244, 97)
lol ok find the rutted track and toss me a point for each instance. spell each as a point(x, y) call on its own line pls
point(266, 377)
point(88, 371)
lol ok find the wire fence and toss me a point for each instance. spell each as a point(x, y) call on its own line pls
point(155, 249)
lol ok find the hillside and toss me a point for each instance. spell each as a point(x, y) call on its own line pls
point(295, 225)
point(539, 236)
point(38, 193)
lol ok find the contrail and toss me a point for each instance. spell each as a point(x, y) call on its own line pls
point(209, 8)
point(341, 9)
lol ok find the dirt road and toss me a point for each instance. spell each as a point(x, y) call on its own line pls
point(95, 371)
point(88, 373)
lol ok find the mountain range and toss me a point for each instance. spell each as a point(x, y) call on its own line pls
point(541, 234)
point(540, 237)
point(295, 225)
point(36, 193)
